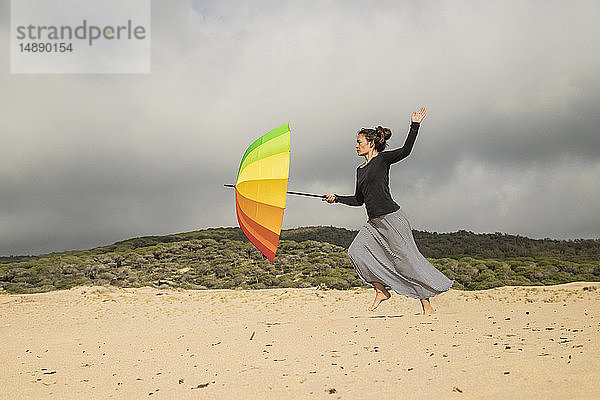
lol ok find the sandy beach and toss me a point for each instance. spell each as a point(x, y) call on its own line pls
point(97, 342)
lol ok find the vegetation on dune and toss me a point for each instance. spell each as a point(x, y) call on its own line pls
point(222, 258)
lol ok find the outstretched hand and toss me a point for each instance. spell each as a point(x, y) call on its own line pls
point(418, 116)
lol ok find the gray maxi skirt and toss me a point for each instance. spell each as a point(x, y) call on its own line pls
point(385, 251)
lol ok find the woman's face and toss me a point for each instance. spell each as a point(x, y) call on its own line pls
point(363, 146)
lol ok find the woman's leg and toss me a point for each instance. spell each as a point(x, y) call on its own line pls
point(381, 294)
point(427, 309)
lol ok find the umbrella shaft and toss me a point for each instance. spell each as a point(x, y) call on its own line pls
point(307, 194)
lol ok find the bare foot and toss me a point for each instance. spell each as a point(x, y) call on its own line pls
point(427, 309)
point(381, 294)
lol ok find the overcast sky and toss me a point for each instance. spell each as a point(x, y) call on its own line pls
point(511, 141)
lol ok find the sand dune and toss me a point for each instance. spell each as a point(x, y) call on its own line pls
point(96, 342)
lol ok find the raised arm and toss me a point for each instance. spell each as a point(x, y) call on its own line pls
point(392, 156)
point(396, 155)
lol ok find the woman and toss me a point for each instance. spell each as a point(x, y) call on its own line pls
point(384, 252)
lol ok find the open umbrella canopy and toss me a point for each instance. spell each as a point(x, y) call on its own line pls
point(260, 189)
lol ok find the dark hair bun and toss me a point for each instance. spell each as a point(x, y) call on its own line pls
point(385, 133)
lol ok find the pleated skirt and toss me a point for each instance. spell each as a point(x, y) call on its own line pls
point(385, 251)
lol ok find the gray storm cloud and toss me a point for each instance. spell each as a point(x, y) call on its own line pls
point(510, 142)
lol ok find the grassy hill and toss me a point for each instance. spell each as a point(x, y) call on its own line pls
point(308, 256)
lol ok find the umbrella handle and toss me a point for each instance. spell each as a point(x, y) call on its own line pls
point(320, 196)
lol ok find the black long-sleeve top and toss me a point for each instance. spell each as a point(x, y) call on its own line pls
point(373, 179)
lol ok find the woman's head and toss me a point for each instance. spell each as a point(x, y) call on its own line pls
point(372, 138)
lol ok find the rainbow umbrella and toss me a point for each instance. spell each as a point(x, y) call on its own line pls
point(261, 187)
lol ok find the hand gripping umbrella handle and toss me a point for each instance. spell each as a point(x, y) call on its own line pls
point(320, 196)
